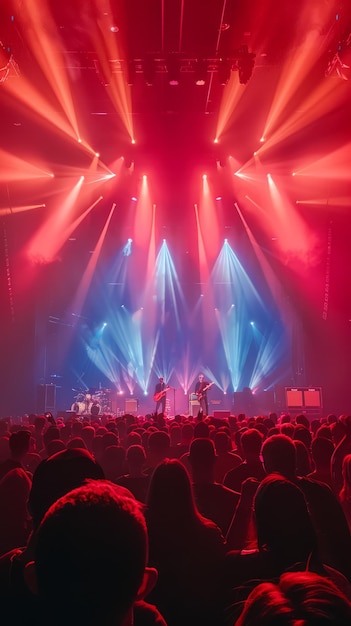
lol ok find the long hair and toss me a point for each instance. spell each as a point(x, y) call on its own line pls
point(170, 500)
point(283, 522)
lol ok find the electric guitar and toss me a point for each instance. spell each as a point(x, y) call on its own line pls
point(160, 394)
point(200, 394)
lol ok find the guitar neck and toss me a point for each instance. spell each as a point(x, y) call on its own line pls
point(201, 392)
point(207, 387)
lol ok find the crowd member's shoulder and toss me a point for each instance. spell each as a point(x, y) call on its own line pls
point(214, 533)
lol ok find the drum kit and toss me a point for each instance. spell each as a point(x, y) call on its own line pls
point(95, 402)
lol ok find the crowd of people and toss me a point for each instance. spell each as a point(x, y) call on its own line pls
point(183, 521)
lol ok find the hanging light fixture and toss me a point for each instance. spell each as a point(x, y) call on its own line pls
point(201, 67)
point(224, 71)
point(149, 69)
point(173, 69)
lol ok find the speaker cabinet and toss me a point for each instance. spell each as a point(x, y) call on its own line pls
point(131, 406)
point(194, 404)
point(294, 398)
point(303, 397)
point(313, 397)
point(66, 415)
point(221, 415)
point(46, 399)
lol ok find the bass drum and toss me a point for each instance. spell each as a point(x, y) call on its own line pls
point(78, 407)
point(95, 409)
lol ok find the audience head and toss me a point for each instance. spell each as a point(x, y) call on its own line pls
point(187, 432)
point(315, 424)
point(324, 431)
point(19, 443)
point(237, 439)
point(170, 497)
point(302, 420)
point(201, 429)
point(57, 475)
point(76, 442)
point(322, 450)
point(135, 457)
point(92, 544)
point(39, 423)
point(175, 434)
point(279, 456)
point(346, 420)
point(51, 433)
point(159, 444)
point(202, 454)
point(338, 431)
point(299, 599)
point(269, 423)
point(287, 429)
point(301, 433)
point(251, 443)
point(133, 438)
point(222, 442)
point(77, 427)
point(88, 434)
point(285, 418)
point(110, 439)
point(284, 527)
point(273, 416)
point(113, 462)
point(53, 446)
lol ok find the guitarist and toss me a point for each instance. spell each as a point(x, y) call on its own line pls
point(201, 391)
point(160, 395)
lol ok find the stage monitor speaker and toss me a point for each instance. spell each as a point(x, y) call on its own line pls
point(221, 415)
point(46, 398)
point(313, 397)
point(294, 398)
point(66, 415)
point(194, 406)
point(131, 406)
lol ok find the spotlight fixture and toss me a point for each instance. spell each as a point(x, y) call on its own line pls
point(149, 68)
point(246, 62)
point(224, 70)
point(173, 69)
point(201, 67)
point(175, 63)
point(130, 73)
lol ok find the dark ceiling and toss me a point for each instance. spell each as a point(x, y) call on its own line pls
point(180, 30)
point(99, 42)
